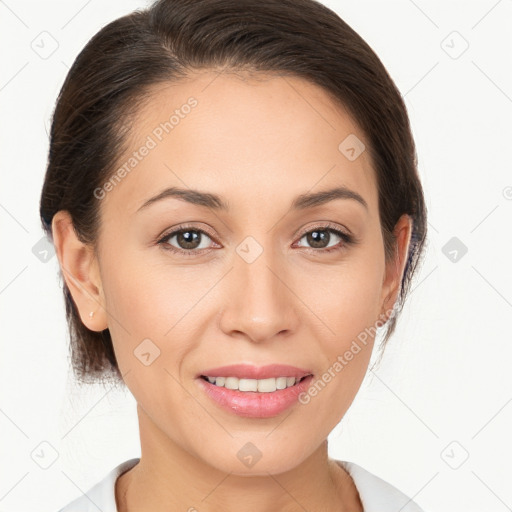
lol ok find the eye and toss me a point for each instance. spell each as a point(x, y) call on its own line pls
point(189, 240)
point(321, 236)
point(193, 241)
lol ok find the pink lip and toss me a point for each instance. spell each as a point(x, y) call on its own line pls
point(247, 371)
point(253, 404)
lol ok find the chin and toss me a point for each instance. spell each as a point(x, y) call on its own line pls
point(248, 460)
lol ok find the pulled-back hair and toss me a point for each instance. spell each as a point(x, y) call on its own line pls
point(113, 75)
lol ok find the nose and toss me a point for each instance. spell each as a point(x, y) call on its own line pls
point(259, 301)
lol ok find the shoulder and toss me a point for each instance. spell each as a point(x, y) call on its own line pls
point(376, 494)
point(100, 496)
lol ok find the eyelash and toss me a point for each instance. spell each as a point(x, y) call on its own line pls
point(346, 238)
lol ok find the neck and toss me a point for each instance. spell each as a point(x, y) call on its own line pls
point(170, 478)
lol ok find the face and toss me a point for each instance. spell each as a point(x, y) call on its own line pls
point(269, 279)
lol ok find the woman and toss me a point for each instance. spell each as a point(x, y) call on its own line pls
point(234, 201)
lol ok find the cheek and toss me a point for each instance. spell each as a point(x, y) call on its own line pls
point(347, 308)
point(140, 307)
point(346, 296)
point(346, 300)
point(153, 310)
point(148, 309)
point(142, 295)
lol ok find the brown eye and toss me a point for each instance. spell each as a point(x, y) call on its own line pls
point(318, 238)
point(326, 239)
point(187, 241)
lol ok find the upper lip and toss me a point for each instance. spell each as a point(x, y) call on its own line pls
point(247, 371)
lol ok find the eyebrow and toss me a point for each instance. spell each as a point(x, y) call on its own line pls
point(215, 202)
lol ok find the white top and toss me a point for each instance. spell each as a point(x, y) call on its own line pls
point(376, 494)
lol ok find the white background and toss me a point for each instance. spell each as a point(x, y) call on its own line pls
point(444, 389)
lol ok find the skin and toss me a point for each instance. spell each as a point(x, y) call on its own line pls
point(258, 144)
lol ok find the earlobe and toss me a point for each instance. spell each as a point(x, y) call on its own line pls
point(395, 269)
point(80, 270)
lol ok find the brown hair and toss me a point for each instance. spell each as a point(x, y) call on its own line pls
point(113, 75)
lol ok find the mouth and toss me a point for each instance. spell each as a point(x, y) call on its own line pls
point(268, 385)
point(251, 372)
point(254, 398)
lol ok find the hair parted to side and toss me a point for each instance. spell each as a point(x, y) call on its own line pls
point(113, 75)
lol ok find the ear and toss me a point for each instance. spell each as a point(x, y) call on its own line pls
point(396, 266)
point(81, 272)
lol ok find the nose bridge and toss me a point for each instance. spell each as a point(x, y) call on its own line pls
point(262, 306)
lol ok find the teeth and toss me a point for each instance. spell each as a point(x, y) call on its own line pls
point(260, 385)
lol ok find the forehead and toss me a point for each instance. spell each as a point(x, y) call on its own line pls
point(257, 137)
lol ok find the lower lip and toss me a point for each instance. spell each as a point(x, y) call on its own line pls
point(252, 404)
